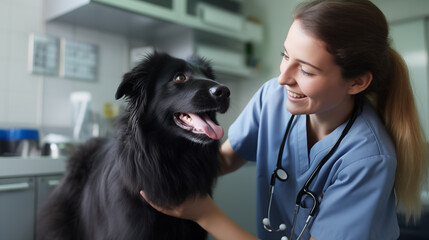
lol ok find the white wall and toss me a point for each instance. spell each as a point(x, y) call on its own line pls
point(414, 50)
point(28, 100)
point(20, 92)
point(113, 62)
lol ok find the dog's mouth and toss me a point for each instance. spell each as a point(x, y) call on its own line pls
point(199, 124)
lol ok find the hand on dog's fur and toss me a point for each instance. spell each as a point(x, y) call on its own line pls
point(204, 211)
point(192, 209)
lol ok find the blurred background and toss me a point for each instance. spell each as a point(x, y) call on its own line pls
point(61, 62)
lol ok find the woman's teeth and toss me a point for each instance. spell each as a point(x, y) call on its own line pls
point(295, 95)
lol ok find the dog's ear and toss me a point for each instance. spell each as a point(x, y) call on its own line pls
point(203, 65)
point(136, 81)
point(127, 85)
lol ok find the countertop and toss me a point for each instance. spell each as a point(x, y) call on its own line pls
point(30, 166)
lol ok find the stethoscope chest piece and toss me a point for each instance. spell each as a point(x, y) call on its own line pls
point(281, 174)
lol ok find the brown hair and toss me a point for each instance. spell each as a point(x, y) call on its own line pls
point(356, 34)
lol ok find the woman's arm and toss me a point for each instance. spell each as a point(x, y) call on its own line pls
point(204, 211)
point(229, 160)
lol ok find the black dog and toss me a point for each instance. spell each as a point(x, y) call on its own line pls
point(166, 143)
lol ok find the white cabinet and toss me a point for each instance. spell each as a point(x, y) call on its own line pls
point(24, 185)
point(17, 208)
point(45, 184)
point(20, 199)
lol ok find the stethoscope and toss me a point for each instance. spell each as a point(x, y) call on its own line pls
point(282, 175)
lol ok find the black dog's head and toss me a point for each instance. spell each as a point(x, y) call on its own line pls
point(176, 96)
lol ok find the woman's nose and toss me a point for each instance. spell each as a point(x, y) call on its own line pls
point(286, 76)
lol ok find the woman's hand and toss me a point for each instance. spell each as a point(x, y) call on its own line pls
point(203, 210)
point(192, 209)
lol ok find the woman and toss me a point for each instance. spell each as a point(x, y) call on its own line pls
point(337, 70)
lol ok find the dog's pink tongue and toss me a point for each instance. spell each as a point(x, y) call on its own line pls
point(206, 125)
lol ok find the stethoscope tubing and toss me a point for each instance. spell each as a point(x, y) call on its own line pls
point(304, 190)
point(282, 146)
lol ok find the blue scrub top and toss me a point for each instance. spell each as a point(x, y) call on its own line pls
point(355, 186)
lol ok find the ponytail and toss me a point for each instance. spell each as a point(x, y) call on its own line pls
point(398, 110)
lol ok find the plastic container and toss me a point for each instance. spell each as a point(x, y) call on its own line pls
point(20, 142)
point(4, 142)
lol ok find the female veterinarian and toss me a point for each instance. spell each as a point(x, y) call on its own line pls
point(336, 133)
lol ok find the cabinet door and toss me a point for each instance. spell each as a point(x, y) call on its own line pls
point(17, 202)
point(169, 10)
point(45, 185)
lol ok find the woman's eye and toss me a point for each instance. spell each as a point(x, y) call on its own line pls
point(180, 77)
point(284, 55)
point(306, 73)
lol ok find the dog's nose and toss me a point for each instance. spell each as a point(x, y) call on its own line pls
point(220, 91)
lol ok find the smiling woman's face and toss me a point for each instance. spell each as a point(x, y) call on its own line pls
point(313, 80)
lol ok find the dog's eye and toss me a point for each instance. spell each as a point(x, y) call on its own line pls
point(180, 77)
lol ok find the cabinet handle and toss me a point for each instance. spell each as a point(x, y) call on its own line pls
point(14, 186)
point(53, 183)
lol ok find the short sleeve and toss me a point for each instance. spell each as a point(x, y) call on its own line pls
point(358, 204)
point(243, 133)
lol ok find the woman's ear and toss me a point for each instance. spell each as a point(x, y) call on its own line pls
point(360, 83)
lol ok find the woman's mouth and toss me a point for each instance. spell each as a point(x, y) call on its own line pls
point(295, 95)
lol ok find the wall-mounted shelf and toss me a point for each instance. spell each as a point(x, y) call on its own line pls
point(134, 17)
point(151, 19)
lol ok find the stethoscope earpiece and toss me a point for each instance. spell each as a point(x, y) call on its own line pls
point(267, 226)
point(266, 222)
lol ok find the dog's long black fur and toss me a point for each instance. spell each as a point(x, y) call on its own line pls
point(154, 149)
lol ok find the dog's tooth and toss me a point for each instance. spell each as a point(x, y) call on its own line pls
point(187, 118)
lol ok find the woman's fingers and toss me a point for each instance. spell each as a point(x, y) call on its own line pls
point(190, 209)
point(175, 211)
point(159, 209)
